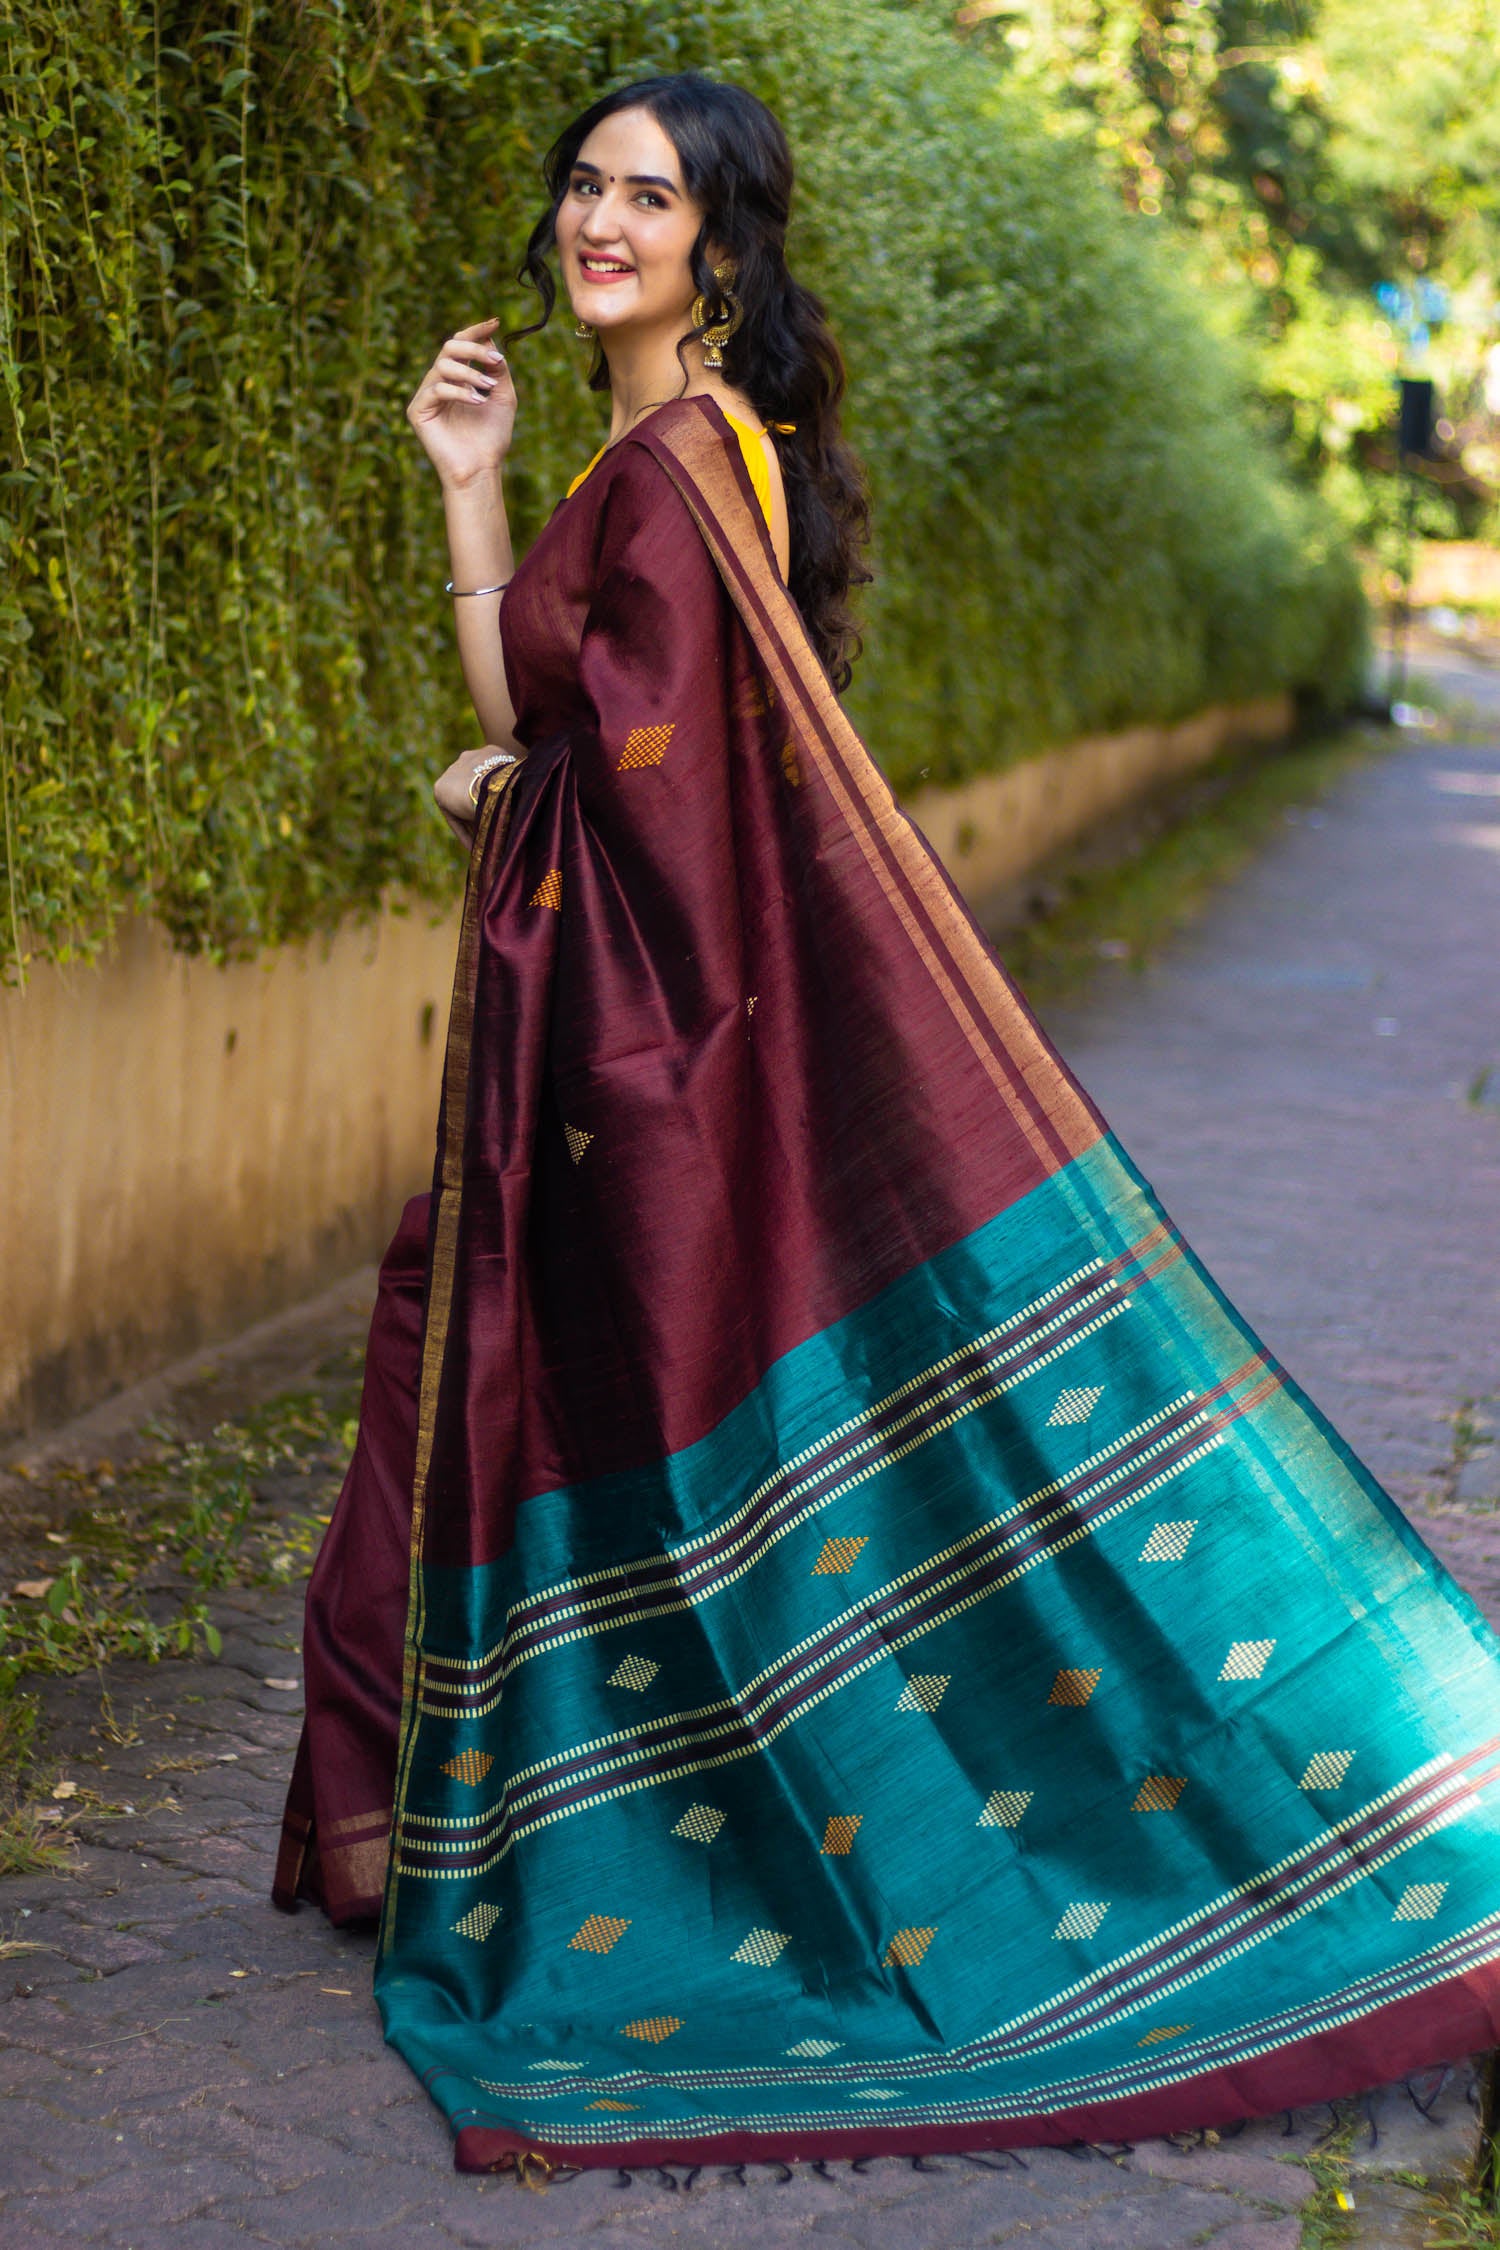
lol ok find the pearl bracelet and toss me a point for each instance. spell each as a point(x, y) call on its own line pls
point(488, 765)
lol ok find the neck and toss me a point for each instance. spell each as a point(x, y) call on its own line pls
point(645, 371)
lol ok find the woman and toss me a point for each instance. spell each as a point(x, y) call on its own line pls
point(889, 1661)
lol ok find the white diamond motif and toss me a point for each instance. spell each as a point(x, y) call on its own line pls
point(635, 1672)
point(700, 1822)
point(1004, 1807)
point(924, 1691)
point(1075, 1405)
point(1326, 1769)
point(813, 2050)
point(1168, 1542)
point(1246, 1660)
point(1419, 1902)
point(478, 1922)
point(762, 1947)
point(1082, 1918)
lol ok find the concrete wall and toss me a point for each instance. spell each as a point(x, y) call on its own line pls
point(185, 1149)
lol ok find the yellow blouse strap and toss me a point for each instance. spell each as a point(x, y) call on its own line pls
point(750, 446)
point(577, 481)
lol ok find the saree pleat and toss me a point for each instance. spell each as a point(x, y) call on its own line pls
point(891, 1661)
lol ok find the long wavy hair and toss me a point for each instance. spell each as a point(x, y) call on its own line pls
point(737, 168)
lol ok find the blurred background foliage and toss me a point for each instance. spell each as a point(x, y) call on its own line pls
point(1335, 167)
point(232, 232)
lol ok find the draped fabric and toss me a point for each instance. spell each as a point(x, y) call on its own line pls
point(891, 1662)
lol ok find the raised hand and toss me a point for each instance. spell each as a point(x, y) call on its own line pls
point(464, 408)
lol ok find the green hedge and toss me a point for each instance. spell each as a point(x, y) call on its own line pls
point(232, 236)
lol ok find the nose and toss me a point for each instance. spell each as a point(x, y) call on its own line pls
point(601, 225)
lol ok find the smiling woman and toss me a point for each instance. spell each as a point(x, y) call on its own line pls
point(836, 1637)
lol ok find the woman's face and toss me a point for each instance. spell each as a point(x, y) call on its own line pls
point(625, 228)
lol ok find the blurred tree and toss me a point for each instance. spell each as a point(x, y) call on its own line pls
point(1312, 150)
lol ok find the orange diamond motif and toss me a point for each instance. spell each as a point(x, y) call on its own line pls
point(598, 1934)
point(611, 2105)
point(907, 1948)
point(645, 746)
point(790, 765)
point(1159, 1792)
point(839, 1835)
point(654, 2028)
point(470, 1766)
point(836, 1556)
point(548, 891)
point(1073, 1687)
point(1164, 2031)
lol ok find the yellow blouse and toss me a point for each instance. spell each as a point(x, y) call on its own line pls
point(750, 445)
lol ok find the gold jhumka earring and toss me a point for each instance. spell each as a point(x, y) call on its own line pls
point(582, 331)
point(716, 333)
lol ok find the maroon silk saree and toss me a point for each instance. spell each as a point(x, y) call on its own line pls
point(836, 1635)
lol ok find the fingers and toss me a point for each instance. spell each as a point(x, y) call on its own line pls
point(458, 347)
point(451, 370)
point(480, 328)
point(452, 394)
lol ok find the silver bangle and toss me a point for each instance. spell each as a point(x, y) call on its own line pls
point(467, 593)
point(488, 765)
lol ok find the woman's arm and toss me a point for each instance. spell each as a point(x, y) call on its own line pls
point(464, 413)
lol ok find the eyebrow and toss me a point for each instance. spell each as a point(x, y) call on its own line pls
point(632, 179)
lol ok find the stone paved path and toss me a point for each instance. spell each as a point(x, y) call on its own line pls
point(183, 2067)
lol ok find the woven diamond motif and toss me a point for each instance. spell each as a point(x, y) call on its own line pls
point(700, 1822)
point(813, 2050)
point(1326, 1769)
point(750, 1003)
point(633, 1672)
point(598, 1934)
point(876, 2093)
point(548, 891)
point(478, 1922)
point(789, 764)
point(835, 1556)
point(1246, 1660)
point(1164, 2031)
point(1419, 1902)
point(907, 1948)
point(1159, 1792)
point(646, 746)
point(1168, 1541)
point(469, 1767)
point(653, 2028)
point(1073, 1687)
point(553, 2064)
point(1082, 1918)
point(924, 1691)
point(1075, 1405)
point(1004, 1807)
point(762, 1947)
point(605, 2103)
point(839, 1834)
point(577, 1141)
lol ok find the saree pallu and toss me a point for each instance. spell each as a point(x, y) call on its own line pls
point(892, 1662)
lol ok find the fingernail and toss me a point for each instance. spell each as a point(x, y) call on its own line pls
point(497, 357)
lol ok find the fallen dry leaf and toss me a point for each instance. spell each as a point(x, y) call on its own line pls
point(65, 1789)
point(35, 1589)
point(288, 1687)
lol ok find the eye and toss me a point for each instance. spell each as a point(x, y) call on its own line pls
point(582, 186)
point(649, 196)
